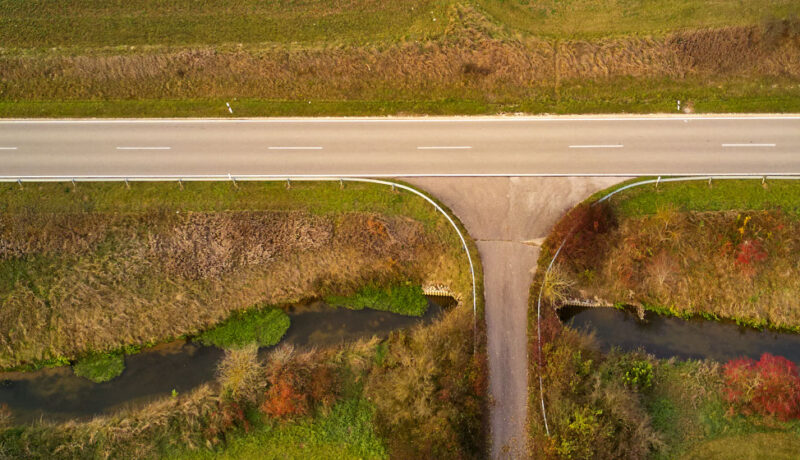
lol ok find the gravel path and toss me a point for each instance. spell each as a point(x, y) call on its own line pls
point(508, 217)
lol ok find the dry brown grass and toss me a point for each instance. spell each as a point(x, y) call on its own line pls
point(145, 278)
point(692, 263)
point(474, 58)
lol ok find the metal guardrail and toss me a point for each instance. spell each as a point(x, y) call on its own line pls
point(656, 181)
point(262, 178)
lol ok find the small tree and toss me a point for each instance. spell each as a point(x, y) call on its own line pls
point(769, 387)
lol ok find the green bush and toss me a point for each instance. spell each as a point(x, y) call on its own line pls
point(263, 326)
point(100, 367)
point(639, 374)
point(405, 299)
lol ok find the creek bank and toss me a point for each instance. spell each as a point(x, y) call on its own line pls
point(683, 338)
point(181, 365)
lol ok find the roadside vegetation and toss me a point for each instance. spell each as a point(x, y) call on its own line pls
point(724, 250)
point(88, 273)
point(365, 57)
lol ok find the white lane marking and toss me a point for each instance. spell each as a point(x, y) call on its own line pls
point(748, 145)
point(295, 148)
point(597, 146)
point(445, 147)
point(8, 148)
point(144, 148)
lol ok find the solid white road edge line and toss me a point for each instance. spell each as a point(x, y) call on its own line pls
point(445, 147)
point(606, 146)
point(748, 145)
point(8, 148)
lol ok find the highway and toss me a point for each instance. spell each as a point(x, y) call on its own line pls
point(393, 147)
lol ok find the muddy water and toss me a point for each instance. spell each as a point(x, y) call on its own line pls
point(666, 336)
point(58, 394)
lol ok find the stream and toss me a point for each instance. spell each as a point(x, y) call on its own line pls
point(668, 336)
point(57, 394)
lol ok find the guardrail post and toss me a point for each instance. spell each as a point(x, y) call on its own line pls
point(180, 183)
point(764, 181)
point(19, 182)
point(233, 180)
point(709, 182)
point(127, 184)
point(657, 181)
point(74, 186)
point(288, 183)
point(341, 184)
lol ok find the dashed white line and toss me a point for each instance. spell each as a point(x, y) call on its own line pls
point(295, 148)
point(445, 147)
point(597, 146)
point(748, 145)
point(8, 148)
point(144, 148)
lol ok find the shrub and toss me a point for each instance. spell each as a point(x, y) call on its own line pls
point(264, 327)
point(297, 385)
point(428, 393)
point(769, 387)
point(239, 372)
point(639, 374)
point(100, 367)
point(227, 416)
point(581, 231)
point(583, 431)
point(405, 299)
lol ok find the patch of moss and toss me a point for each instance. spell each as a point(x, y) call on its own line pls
point(264, 326)
point(100, 367)
point(404, 299)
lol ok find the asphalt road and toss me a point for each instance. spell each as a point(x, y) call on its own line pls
point(403, 147)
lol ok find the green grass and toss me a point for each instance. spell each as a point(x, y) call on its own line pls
point(100, 367)
point(601, 18)
point(405, 299)
point(324, 198)
point(773, 446)
point(723, 195)
point(347, 432)
point(264, 326)
point(617, 95)
point(98, 23)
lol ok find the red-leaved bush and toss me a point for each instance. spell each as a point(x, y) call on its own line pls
point(769, 387)
point(749, 253)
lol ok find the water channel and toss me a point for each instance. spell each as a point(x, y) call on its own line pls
point(668, 336)
point(58, 394)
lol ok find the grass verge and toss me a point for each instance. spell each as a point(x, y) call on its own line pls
point(345, 432)
point(405, 299)
point(264, 326)
point(467, 57)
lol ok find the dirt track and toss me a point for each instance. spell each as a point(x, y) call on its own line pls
point(507, 217)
